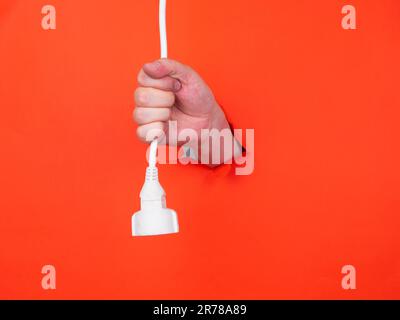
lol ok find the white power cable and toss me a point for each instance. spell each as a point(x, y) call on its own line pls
point(163, 28)
point(155, 218)
point(164, 54)
point(153, 154)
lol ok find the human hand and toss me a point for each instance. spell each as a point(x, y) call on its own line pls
point(171, 91)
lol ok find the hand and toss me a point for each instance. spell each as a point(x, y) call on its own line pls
point(169, 90)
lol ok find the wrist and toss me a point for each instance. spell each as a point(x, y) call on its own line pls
point(220, 146)
point(218, 119)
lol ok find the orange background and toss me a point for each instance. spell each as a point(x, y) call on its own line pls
point(324, 103)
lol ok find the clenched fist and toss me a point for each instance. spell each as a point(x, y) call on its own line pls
point(169, 90)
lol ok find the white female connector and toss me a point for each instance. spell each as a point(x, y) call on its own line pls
point(154, 218)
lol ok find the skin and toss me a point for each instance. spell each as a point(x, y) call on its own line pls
point(169, 90)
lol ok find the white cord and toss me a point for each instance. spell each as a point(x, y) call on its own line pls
point(164, 54)
point(163, 28)
point(153, 153)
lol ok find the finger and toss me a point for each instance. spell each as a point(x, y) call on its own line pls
point(166, 83)
point(147, 115)
point(166, 67)
point(153, 98)
point(149, 132)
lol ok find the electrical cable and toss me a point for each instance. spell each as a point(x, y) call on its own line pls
point(164, 54)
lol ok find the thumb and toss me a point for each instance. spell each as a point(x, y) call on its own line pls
point(167, 67)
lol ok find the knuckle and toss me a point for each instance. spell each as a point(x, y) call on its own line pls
point(140, 77)
point(140, 97)
point(145, 116)
point(140, 133)
point(137, 115)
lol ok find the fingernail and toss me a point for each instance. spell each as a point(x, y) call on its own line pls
point(177, 85)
